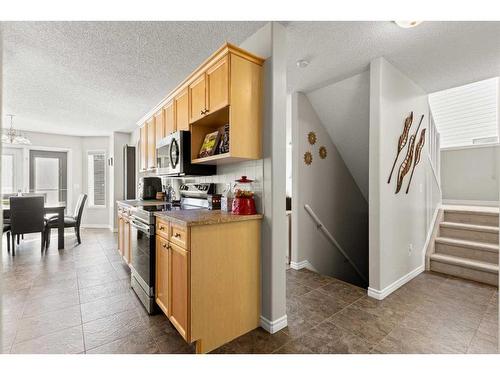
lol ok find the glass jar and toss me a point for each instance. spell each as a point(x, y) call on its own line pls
point(243, 197)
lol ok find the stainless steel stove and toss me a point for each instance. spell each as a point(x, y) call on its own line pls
point(143, 242)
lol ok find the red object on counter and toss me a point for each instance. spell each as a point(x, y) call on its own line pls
point(244, 206)
point(243, 202)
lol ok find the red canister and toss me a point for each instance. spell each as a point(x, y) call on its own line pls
point(243, 202)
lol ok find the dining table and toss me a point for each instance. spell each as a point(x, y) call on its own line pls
point(49, 208)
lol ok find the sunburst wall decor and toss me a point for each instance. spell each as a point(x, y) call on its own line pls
point(322, 152)
point(311, 138)
point(308, 158)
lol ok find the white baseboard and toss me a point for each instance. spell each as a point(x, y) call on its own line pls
point(465, 202)
point(96, 226)
point(275, 325)
point(300, 265)
point(381, 294)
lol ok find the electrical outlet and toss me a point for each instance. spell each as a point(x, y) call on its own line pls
point(421, 188)
point(410, 249)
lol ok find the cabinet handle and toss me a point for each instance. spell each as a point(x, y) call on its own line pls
point(164, 245)
point(177, 235)
point(202, 112)
point(206, 110)
point(162, 228)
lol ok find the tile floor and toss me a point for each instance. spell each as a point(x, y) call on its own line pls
point(78, 300)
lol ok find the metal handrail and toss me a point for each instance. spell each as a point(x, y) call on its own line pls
point(320, 225)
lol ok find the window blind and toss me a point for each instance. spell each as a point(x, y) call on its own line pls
point(467, 115)
point(96, 178)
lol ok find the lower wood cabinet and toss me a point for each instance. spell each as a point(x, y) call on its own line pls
point(179, 301)
point(120, 233)
point(126, 239)
point(208, 280)
point(124, 235)
point(162, 283)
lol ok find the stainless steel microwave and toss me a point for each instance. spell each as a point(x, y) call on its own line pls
point(173, 155)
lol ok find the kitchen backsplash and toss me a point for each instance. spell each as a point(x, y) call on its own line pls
point(227, 174)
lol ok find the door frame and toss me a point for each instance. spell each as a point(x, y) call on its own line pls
point(62, 157)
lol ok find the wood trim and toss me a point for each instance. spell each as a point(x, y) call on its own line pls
point(223, 50)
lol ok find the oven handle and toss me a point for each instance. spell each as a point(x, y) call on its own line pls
point(141, 227)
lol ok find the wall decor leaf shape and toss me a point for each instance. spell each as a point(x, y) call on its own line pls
point(418, 154)
point(403, 138)
point(406, 164)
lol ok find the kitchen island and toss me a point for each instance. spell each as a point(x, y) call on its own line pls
point(208, 274)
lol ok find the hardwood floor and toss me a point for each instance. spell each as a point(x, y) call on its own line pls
point(79, 300)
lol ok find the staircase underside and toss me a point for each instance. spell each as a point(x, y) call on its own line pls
point(466, 243)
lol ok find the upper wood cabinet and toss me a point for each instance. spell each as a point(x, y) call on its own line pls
point(143, 148)
point(181, 105)
point(159, 125)
point(151, 153)
point(218, 85)
point(225, 90)
point(169, 113)
point(210, 91)
point(197, 98)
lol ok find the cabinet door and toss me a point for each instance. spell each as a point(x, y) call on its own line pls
point(197, 99)
point(179, 289)
point(162, 281)
point(120, 234)
point(181, 103)
point(151, 143)
point(143, 147)
point(159, 126)
point(218, 85)
point(126, 240)
point(169, 125)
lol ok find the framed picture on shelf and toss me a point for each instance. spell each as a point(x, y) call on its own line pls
point(223, 146)
point(209, 145)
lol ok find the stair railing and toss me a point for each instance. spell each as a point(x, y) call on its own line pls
point(329, 236)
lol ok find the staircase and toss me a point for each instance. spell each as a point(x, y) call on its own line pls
point(466, 244)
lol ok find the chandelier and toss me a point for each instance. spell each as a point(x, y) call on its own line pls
point(12, 136)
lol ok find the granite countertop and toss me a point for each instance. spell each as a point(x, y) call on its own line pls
point(204, 217)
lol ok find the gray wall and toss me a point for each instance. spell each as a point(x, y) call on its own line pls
point(344, 109)
point(470, 174)
point(327, 186)
point(398, 222)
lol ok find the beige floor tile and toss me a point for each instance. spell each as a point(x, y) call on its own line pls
point(67, 341)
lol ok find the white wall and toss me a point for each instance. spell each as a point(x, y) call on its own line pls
point(470, 174)
point(343, 108)
point(330, 190)
point(396, 222)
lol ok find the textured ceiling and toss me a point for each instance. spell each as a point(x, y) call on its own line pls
point(91, 78)
point(436, 55)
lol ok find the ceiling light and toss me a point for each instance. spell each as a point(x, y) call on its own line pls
point(12, 136)
point(302, 63)
point(407, 24)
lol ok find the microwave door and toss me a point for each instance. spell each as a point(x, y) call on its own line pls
point(163, 159)
point(174, 156)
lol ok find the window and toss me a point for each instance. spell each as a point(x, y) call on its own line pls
point(467, 115)
point(96, 180)
point(7, 173)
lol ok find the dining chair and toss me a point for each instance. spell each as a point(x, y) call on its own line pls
point(73, 221)
point(27, 216)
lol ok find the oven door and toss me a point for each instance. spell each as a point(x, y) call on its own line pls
point(143, 254)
